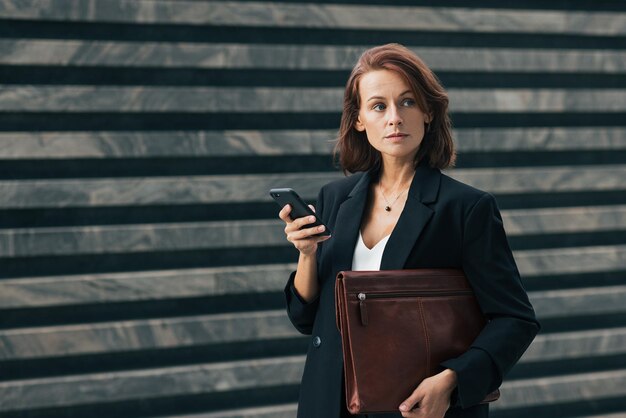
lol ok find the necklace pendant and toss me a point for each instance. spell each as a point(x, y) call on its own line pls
point(387, 208)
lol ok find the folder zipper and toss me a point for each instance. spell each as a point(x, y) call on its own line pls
point(362, 297)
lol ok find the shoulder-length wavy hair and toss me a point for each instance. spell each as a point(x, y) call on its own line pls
point(352, 149)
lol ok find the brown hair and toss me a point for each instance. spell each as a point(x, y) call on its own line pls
point(355, 152)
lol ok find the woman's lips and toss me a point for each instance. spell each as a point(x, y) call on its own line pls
point(396, 136)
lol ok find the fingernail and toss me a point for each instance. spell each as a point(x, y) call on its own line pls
point(403, 407)
point(311, 218)
point(321, 228)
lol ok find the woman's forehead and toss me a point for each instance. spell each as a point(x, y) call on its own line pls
point(382, 83)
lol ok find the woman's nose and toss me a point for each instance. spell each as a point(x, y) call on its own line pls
point(394, 116)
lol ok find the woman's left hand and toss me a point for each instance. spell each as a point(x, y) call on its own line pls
point(431, 399)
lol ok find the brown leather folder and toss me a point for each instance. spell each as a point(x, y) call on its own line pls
point(397, 326)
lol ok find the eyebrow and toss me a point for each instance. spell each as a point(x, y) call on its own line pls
point(382, 98)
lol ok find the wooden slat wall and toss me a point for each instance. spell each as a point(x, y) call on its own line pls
point(141, 260)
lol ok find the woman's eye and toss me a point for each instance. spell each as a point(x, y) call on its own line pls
point(408, 102)
point(378, 107)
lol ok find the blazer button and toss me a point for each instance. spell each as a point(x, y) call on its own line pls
point(317, 341)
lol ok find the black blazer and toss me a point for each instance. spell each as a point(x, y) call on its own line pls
point(444, 224)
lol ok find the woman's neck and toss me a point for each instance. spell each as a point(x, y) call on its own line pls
point(396, 177)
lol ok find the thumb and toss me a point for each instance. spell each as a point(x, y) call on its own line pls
point(410, 402)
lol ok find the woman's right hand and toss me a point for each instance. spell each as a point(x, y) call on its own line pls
point(304, 239)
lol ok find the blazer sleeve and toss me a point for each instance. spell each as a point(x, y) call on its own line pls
point(302, 313)
point(490, 268)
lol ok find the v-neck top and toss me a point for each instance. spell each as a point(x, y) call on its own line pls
point(368, 259)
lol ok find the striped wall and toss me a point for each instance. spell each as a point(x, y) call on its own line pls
point(141, 259)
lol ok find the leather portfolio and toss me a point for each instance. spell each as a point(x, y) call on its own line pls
point(397, 326)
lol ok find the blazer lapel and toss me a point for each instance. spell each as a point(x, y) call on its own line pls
point(415, 215)
point(348, 223)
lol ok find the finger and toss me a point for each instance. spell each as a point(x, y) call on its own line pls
point(284, 213)
point(412, 401)
point(306, 233)
point(302, 222)
point(312, 208)
point(298, 224)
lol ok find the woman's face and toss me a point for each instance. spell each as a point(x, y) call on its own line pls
point(390, 116)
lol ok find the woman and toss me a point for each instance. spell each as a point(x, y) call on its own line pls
point(399, 211)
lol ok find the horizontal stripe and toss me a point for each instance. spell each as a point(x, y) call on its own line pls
point(203, 378)
point(561, 389)
point(415, 18)
point(609, 268)
point(163, 190)
point(38, 29)
point(535, 139)
point(144, 76)
point(119, 336)
point(215, 99)
point(160, 121)
point(206, 235)
point(524, 180)
point(103, 144)
point(594, 5)
point(220, 165)
point(293, 57)
point(615, 415)
point(167, 333)
point(274, 411)
point(569, 345)
point(34, 292)
point(151, 383)
point(320, 16)
point(230, 211)
point(131, 167)
point(132, 144)
point(252, 188)
point(564, 220)
point(571, 260)
point(578, 302)
point(51, 291)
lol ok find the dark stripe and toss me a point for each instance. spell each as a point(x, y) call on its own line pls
point(166, 121)
point(72, 216)
point(593, 406)
point(151, 358)
point(573, 280)
point(132, 76)
point(571, 323)
point(568, 158)
point(557, 199)
point(181, 356)
point(160, 405)
point(561, 240)
point(130, 167)
point(190, 166)
point(34, 218)
point(34, 29)
point(567, 5)
point(567, 366)
point(96, 263)
point(127, 262)
point(118, 311)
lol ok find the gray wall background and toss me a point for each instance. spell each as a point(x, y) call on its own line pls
point(141, 260)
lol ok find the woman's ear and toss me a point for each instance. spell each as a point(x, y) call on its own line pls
point(358, 125)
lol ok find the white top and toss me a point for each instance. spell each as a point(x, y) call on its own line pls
point(368, 259)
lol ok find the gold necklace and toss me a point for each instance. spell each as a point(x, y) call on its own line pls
point(389, 205)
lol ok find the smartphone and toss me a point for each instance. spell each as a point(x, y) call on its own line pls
point(299, 209)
